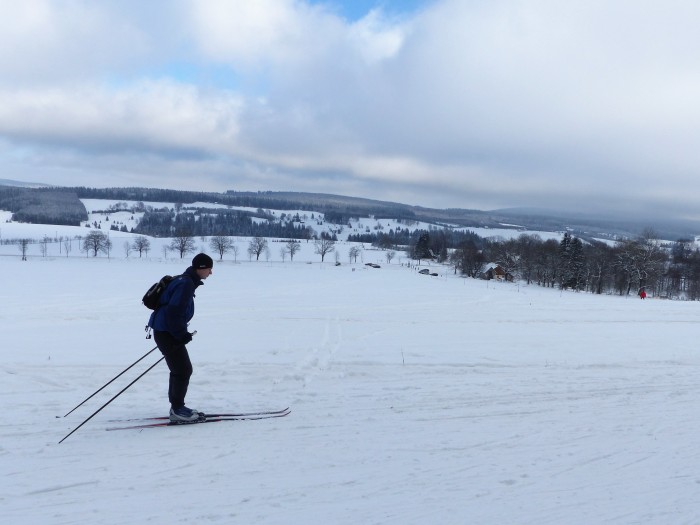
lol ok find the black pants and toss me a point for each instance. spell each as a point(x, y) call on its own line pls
point(178, 361)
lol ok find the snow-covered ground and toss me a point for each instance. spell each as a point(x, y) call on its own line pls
point(415, 399)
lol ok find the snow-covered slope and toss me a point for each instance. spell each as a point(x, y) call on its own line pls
point(414, 400)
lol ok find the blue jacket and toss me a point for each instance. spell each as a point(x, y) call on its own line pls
point(177, 305)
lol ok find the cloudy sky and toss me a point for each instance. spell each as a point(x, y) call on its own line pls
point(590, 105)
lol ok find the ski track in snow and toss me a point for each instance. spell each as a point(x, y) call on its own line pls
point(414, 400)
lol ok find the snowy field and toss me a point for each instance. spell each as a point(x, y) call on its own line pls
point(415, 400)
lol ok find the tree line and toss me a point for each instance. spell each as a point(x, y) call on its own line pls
point(670, 270)
point(166, 223)
point(625, 267)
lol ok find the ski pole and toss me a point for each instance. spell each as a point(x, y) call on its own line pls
point(109, 383)
point(115, 397)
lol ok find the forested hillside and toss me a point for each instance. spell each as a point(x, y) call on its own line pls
point(55, 208)
point(43, 205)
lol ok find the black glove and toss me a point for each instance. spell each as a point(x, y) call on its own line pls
point(186, 338)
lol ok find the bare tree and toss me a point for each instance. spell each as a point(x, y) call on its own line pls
point(257, 247)
point(67, 245)
point(127, 248)
point(390, 256)
point(108, 246)
point(547, 264)
point(44, 245)
point(468, 259)
point(354, 253)
point(182, 243)
point(221, 244)
point(324, 246)
point(292, 246)
point(528, 247)
point(23, 245)
point(640, 262)
point(141, 244)
point(95, 242)
point(600, 265)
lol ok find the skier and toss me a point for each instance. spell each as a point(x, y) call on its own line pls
point(642, 293)
point(169, 323)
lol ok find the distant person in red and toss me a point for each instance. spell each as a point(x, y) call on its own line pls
point(642, 293)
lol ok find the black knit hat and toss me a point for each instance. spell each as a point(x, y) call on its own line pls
point(202, 260)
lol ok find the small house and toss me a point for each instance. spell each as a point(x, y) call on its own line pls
point(495, 271)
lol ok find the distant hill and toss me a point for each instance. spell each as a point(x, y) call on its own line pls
point(589, 225)
point(339, 209)
point(18, 184)
point(581, 225)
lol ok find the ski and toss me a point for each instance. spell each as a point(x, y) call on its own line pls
point(214, 419)
point(232, 414)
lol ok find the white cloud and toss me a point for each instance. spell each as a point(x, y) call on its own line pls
point(256, 34)
point(376, 38)
point(287, 33)
point(465, 101)
point(151, 116)
point(42, 41)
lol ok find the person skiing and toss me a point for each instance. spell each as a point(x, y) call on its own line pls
point(169, 323)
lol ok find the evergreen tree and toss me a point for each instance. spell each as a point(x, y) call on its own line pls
point(577, 264)
point(572, 263)
point(421, 250)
